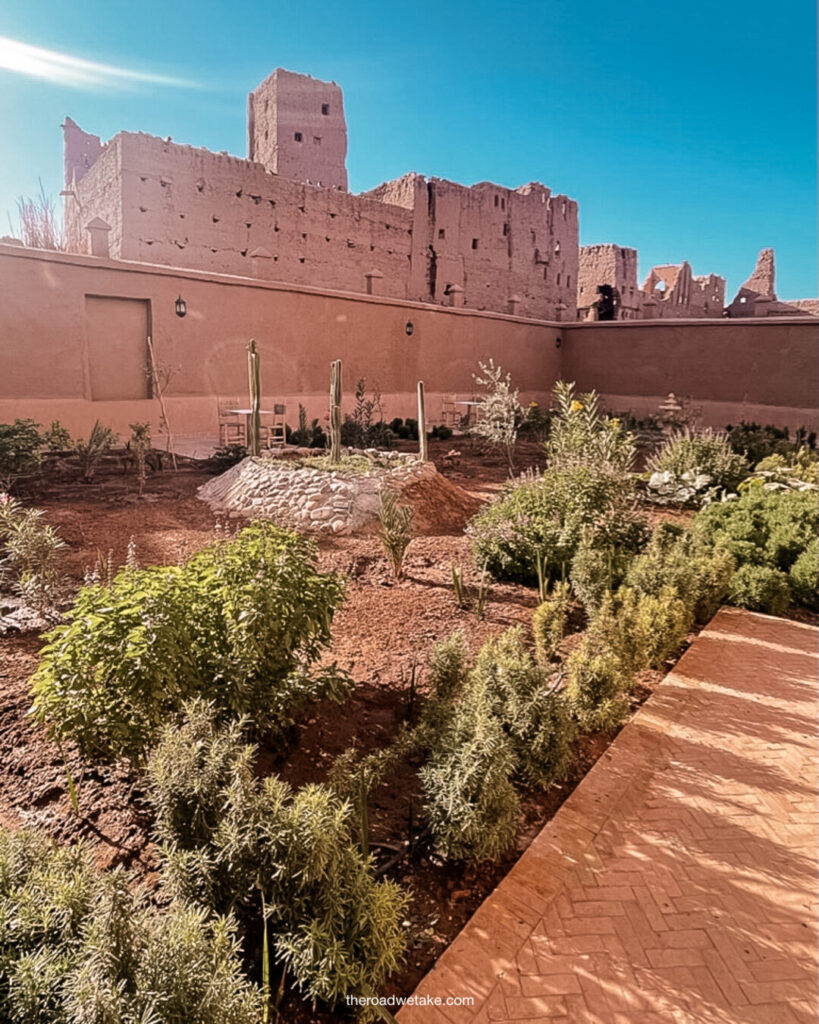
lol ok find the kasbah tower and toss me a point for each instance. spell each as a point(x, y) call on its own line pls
point(285, 213)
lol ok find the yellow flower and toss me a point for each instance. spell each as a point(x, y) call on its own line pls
point(576, 406)
point(533, 405)
point(615, 422)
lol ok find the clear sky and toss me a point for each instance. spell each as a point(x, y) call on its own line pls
point(686, 130)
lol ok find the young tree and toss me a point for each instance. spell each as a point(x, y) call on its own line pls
point(500, 413)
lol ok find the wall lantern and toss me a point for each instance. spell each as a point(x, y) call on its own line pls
point(180, 306)
point(409, 328)
point(558, 342)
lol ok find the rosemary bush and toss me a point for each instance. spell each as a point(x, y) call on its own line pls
point(549, 622)
point(240, 624)
point(597, 687)
point(82, 947)
point(228, 839)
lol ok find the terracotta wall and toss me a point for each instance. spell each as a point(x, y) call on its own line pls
point(62, 357)
point(48, 325)
point(763, 370)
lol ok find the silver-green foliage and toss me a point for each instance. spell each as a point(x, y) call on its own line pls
point(228, 839)
point(549, 622)
point(239, 624)
point(581, 435)
point(394, 529)
point(80, 947)
point(30, 553)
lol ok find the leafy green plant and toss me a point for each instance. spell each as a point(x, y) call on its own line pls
point(91, 450)
point(79, 946)
point(500, 413)
point(395, 529)
point(800, 472)
point(756, 442)
point(528, 702)
point(546, 517)
point(241, 624)
point(57, 438)
point(680, 558)
point(366, 427)
point(549, 622)
point(761, 588)
point(581, 436)
point(804, 576)
point(235, 838)
point(640, 629)
point(597, 687)
point(30, 554)
point(20, 451)
point(690, 456)
point(470, 801)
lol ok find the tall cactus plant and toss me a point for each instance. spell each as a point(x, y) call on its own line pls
point(422, 424)
point(255, 387)
point(335, 411)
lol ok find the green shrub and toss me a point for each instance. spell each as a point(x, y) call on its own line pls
point(546, 517)
point(580, 435)
point(764, 528)
point(470, 801)
point(240, 624)
point(761, 588)
point(79, 947)
point(592, 574)
point(597, 687)
point(233, 839)
point(756, 443)
point(800, 472)
point(500, 413)
point(640, 629)
point(682, 559)
point(804, 576)
point(30, 552)
point(20, 445)
point(549, 622)
point(394, 529)
point(90, 450)
point(700, 452)
point(527, 701)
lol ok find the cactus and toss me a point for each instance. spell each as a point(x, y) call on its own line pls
point(254, 380)
point(335, 411)
point(422, 424)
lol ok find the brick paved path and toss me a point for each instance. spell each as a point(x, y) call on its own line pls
point(678, 883)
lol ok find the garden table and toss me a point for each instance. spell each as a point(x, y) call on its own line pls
point(247, 413)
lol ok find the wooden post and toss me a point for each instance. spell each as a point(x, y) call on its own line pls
point(254, 382)
point(335, 411)
point(158, 389)
point(422, 424)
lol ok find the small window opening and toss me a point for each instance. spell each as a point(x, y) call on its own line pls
point(568, 280)
point(558, 277)
point(557, 248)
point(503, 204)
point(325, 109)
point(505, 230)
point(441, 233)
point(474, 243)
point(298, 136)
point(496, 200)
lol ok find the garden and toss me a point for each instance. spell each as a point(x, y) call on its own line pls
point(252, 770)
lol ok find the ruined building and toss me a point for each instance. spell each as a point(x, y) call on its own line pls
point(284, 214)
point(757, 296)
point(608, 290)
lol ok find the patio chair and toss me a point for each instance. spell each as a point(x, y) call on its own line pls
point(232, 425)
point(276, 429)
point(450, 413)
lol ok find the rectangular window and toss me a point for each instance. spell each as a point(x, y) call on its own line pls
point(474, 243)
point(496, 200)
point(298, 136)
point(441, 233)
point(505, 230)
point(325, 109)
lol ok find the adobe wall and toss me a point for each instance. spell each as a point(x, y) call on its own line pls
point(44, 359)
point(763, 370)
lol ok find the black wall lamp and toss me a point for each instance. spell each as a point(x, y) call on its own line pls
point(180, 306)
point(409, 328)
point(558, 342)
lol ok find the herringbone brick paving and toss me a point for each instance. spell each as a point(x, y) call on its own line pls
point(678, 883)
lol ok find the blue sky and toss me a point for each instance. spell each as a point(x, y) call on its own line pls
point(685, 130)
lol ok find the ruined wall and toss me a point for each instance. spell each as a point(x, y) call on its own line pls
point(672, 292)
point(763, 370)
point(296, 128)
point(613, 265)
point(488, 247)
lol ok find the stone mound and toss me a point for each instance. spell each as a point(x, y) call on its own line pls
point(311, 499)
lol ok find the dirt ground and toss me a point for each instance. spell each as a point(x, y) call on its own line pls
point(382, 631)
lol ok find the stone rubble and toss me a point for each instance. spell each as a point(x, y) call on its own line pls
point(333, 501)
